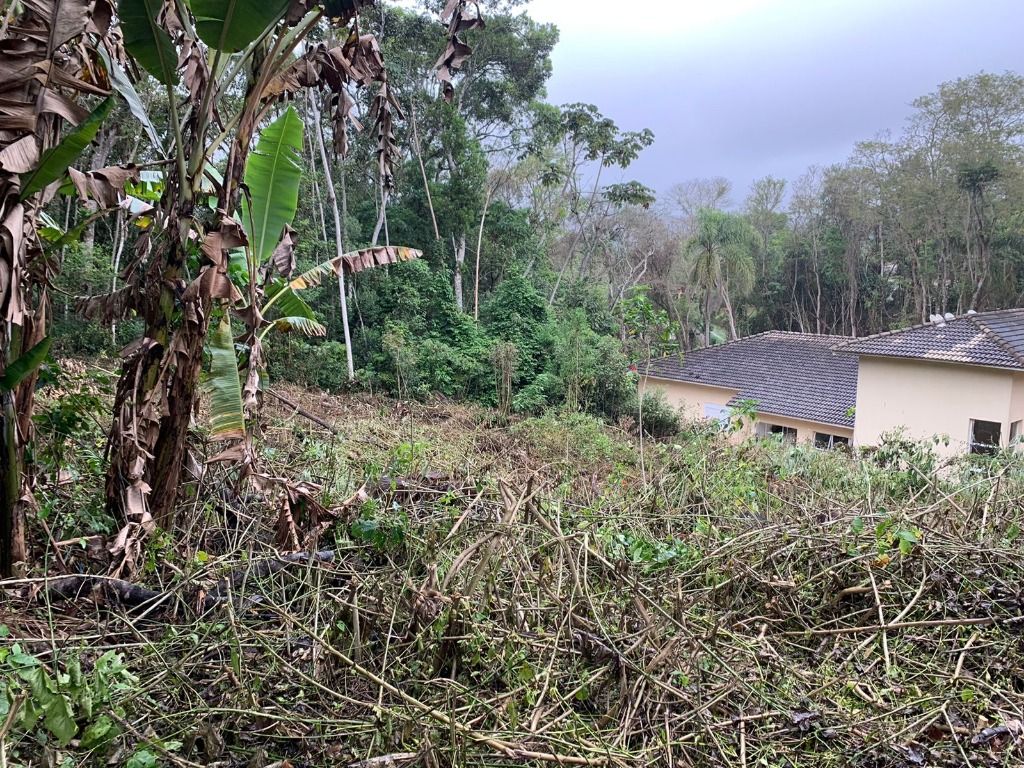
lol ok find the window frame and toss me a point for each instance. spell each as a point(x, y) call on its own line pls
point(786, 434)
point(831, 442)
point(978, 448)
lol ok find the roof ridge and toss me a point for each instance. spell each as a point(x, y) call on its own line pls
point(804, 333)
point(996, 338)
point(713, 346)
point(891, 332)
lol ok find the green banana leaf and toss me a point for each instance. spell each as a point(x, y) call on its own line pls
point(227, 417)
point(146, 40)
point(22, 368)
point(54, 162)
point(230, 25)
point(272, 175)
point(288, 303)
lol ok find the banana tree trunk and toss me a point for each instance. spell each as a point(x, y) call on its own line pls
point(16, 428)
point(12, 535)
point(156, 396)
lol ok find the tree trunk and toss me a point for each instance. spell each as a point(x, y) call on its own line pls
point(581, 223)
point(707, 315)
point(104, 146)
point(156, 397)
point(12, 532)
point(479, 247)
point(459, 246)
point(158, 389)
point(723, 290)
point(339, 243)
point(423, 170)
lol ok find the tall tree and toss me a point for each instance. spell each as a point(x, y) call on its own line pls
point(721, 249)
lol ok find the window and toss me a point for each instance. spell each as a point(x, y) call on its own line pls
point(788, 434)
point(826, 441)
point(985, 436)
point(1015, 432)
point(719, 413)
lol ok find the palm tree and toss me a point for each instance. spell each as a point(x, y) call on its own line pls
point(722, 248)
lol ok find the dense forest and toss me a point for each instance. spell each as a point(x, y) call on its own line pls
point(320, 439)
point(533, 244)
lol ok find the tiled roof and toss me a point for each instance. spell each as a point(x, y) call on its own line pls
point(994, 339)
point(788, 374)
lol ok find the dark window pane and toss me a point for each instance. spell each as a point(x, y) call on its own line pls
point(985, 436)
point(788, 434)
point(825, 440)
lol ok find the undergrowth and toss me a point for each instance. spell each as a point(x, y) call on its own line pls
point(483, 593)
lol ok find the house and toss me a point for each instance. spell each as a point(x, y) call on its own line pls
point(797, 387)
point(957, 377)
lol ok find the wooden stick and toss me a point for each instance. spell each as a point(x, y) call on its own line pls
point(986, 620)
point(302, 411)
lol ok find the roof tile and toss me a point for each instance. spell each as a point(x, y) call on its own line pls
point(994, 339)
point(787, 374)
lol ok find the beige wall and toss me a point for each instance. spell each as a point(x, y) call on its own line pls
point(929, 399)
point(690, 400)
point(805, 430)
point(1017, 403)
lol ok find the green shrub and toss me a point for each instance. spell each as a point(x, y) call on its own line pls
point(455, 371)
point(323, 365)
point(659, 419)
point(544, 391)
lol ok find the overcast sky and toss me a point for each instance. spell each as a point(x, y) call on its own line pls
point(746, 88)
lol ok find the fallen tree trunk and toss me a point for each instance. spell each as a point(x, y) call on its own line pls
point(103, 589)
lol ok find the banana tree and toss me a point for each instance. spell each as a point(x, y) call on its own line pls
point(55, 96)
point(265, 296)
point(178, 278)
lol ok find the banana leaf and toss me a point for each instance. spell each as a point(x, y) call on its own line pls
point(146, 40)
point(230, 25)
point(272, 176)
point(55, 162)
point(227, 418)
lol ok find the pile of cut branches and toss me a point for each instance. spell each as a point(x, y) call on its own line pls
point(746, 606)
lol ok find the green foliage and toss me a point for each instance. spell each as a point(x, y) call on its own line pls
point(578, 438)
point(25, 366)
point(385, 532)
point(906, 465)
point(544, 391)
point(147, 41)
point(230, 25)
point(517, 313)
point(272, 176)
point(592, 368)
point(227, 417)
point(321, 365)
point(650, 555)
point(44, 707)
point(658, 418)
point(55, 162)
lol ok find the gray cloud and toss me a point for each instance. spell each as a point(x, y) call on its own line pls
point(783, 86)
